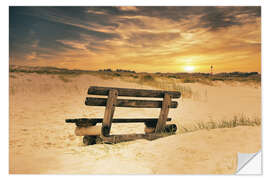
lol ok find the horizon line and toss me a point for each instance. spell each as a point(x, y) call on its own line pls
point(115, 70)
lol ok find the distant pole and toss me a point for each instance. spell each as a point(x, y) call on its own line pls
point(212, 70)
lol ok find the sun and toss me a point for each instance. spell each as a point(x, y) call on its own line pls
point(189, 68)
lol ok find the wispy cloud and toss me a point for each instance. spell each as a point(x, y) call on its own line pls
point(136, 37)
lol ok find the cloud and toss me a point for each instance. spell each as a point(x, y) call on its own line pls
point(223, 17)
point(148, 39)
point(128, 8)
point(97, 36)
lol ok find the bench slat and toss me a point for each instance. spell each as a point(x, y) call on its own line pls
point(122, 120)
point(92, 101)
point(109, 111)
point(163, 114)
point(130, 137)
point(104, 91)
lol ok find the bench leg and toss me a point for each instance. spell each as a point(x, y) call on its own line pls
point(89, 140)
point(163, 113)
point(109, 111)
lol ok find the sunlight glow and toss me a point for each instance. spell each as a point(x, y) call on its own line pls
point(189, 68)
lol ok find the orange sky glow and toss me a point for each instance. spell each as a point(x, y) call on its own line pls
point(130, 38)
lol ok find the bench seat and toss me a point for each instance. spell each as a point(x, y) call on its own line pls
point(84, 122)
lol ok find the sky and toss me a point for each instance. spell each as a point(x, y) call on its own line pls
point(144, 39)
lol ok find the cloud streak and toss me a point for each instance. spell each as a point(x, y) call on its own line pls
point(139, 38)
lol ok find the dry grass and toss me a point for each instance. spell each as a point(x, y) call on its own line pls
point(64, 78)
point(171, 85)
point(12, 76)
point(237, 120)
point(204, 78)
point(164, 81)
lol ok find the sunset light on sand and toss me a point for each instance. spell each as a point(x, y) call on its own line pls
point(134, 90)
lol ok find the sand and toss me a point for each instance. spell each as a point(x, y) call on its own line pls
point(42, 143)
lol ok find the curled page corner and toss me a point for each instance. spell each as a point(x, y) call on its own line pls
point(249, 163)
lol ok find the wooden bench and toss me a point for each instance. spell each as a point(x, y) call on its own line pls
point(154, 127)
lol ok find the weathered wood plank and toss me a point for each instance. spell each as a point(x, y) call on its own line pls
point(92, 101)
point(87, 131)
point(109, 111)
point(130, 137)
point(90, 140)
point(169, 128)
point(94, 90)
point(148, 130)
point(149, 122)
point(163, 113)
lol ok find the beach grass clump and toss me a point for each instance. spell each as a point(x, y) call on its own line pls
point(147, 77)
point(204, 78)
point(12, 76)
point(12, 90)
point(237, 120)
point(64, 78)
point(167, 85)
point(185, 90)
point(189, 80)
point(172, 76)
point(116, 74)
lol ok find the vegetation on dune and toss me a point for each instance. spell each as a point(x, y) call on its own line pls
point(64, 79)
point(188, 80)
point(12, 76)
point(205, 78)
point(165, 81)
point(237, 120)
point(116, 74)
point(44, 70)
point(170, 85)
point(147, 77)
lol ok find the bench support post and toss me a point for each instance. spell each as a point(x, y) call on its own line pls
point(163, 113)
point(109, 111)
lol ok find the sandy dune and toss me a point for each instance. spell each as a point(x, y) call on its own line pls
point(40, 141)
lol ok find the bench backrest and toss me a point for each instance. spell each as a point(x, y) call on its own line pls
point(135, 103)
point(112, 101)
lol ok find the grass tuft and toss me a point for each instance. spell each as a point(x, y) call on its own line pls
point(237, 120)
point(147, 77)
point(188, 80)
point(64, 79)
point(12, 76)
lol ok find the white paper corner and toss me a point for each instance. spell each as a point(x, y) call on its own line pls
point(249, 164)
